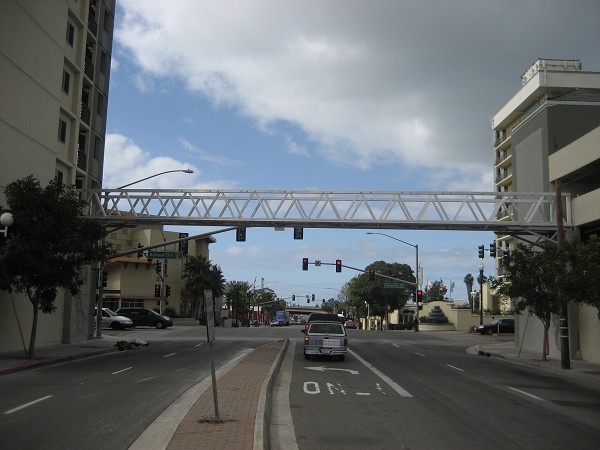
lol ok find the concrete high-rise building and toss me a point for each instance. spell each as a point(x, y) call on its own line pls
point(548, 132)
point(55, 59)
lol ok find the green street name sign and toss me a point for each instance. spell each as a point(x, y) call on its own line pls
point(164, 255)
point(392, 285)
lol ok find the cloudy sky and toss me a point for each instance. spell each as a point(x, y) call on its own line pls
point(329, 95)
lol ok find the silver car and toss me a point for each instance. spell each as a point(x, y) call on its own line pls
point(110, 319)
point(326, 338)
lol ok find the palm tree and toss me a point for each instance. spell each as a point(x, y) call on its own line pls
point(198, 274)
point(237, 296)
point(469, 280)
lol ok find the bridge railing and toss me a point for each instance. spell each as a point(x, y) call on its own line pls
point(506, 211)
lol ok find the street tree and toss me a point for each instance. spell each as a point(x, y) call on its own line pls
point(436, 290)
point(469, 280)
point(48, 246)
point(581, 277)
point(201, 275)
point(238, 295)
point(532, 277)
point(379, 298)
point(270, 305)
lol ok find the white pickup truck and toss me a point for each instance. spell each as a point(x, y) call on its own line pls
point(327, 339)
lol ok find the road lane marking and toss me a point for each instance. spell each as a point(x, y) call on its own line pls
point(145, 379)
point(18, 408)
point(526, 393)
point(170, 354)
point(323, 369)
point(339, 388)
point(119, 371)
point(198, 345)
point(379, 388)
point(315, 387)
point(420, 354)
point(400, 390)
point(363, 393)
point(455, 368)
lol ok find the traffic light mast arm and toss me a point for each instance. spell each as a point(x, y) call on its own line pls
point(162, 244)
point(376, 273)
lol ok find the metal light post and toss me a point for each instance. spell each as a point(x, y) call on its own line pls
point(101, 268)
point(259, 298)
point(6, 220)
point(155, 175)
point(481, 267)
point(416, 247)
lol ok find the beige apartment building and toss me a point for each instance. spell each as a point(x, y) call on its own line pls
point(132, 280)
point(55, 59)
point(548, 131)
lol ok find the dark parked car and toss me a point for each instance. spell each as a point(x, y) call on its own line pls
point(146, 317)
point(321, 317)
point(497, 326)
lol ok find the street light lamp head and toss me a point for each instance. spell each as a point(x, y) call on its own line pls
point(6, 219)
point(188, 171)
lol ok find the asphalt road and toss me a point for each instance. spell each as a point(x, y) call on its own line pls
point(394, 390)
point(422, 390)
point(106, 402)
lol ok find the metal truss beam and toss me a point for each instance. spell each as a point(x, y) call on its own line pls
point(506, 212)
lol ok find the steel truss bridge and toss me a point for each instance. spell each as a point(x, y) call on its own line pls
point(514, 213)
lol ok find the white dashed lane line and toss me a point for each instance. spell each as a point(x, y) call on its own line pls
point(26, 405)
point(525, 393)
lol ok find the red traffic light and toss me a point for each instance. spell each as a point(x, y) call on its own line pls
point(304, 263)
point(371, 274)
point(419, 296)
point(338, 265)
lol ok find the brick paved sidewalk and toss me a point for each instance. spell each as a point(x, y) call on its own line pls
point(238, 395)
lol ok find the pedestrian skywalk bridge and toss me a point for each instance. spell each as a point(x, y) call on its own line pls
point(506, 212)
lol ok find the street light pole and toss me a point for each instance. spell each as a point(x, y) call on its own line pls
point(99, 282)
point(481, 267)
point(155, 175)
point(416, 247)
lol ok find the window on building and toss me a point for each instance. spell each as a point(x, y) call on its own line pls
point(97, 147)
point(66, 81)
point(70, 34)
point(107, 20)
point(62, 131)
point(59, 176)
point(103, 63)
point(100, 105)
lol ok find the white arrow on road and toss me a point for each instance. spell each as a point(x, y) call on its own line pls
point(323, 369)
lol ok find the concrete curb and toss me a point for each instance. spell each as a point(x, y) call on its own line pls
point(264, 408)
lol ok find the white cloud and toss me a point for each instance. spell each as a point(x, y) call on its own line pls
point(370, 85)
point(293, 148)
point(204, 155)
point(285, 62)
point(125, 162)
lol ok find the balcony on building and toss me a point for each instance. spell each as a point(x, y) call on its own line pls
point(92, 21)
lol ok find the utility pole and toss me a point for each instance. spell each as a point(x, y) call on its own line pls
point(565, 357)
